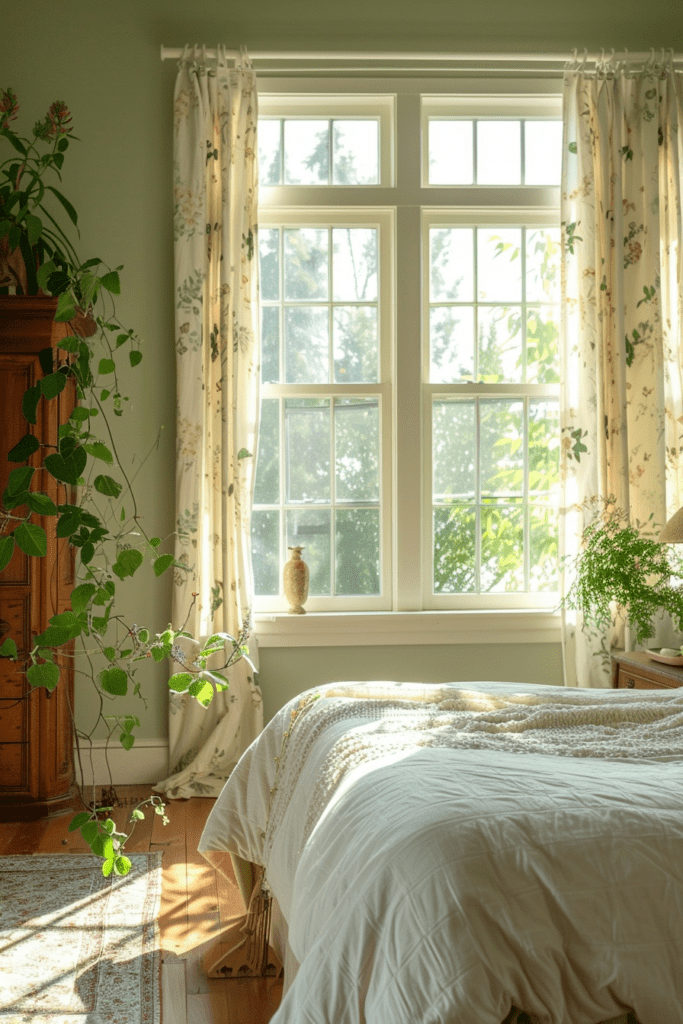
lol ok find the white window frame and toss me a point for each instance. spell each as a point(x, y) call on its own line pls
point(410, 616)
point(383, 221)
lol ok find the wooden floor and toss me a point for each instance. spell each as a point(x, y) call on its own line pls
point(196, 904)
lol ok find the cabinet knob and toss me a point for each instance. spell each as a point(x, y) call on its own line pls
point(630, 683)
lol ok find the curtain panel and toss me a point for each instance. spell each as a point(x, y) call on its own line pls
point(217, 360)
point(621, 411)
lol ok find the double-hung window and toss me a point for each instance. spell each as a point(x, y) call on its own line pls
point(409, 268)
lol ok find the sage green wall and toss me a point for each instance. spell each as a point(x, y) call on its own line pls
point(102, 58)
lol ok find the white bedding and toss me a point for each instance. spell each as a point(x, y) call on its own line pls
point(434, 884)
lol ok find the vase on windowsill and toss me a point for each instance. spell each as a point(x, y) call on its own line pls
point(295, 580)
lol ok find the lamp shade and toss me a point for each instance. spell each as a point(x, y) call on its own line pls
point(672, 531)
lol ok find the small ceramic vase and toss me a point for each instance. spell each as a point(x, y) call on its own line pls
point(295, 579)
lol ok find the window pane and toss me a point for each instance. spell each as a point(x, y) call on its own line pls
point(542, 265)
point(499, 264)
point(310, 529)
point(502, 548)
point(355, 152)
point(499, 153)
point(269, 259)
point(356, 353)
point(267, 482)
point(307, 440)
point(542, 152)
point(307, 350)
point(265, 551)
point(269, 152)
point(270, 344)
point(356, 435)
point(502, 447)
point(455, 550)
point(354, 264)
point(454, 452)
point(307, 152)
point(450, 152)
point(543, 549)
point(306, 263)
point(544, 450)
point(500, 344)
point(451, 339)
point(357, 551)
point(451, 265)
point(542, 335)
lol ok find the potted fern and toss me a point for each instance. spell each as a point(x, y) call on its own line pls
point(67, 488)
point(625, 566)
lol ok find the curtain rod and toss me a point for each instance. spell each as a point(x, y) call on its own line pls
point(175, 53)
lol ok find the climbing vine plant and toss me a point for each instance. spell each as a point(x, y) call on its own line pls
point(98, 515)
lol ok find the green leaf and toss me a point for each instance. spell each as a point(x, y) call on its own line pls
point(98, 450)
point(79, 820)
point(34, 228)
point(180, 681)
point(24, 449)
point(162, 563)
point(43, 274)
point(55, 636)
point(122, 865)
point(136, 814)
point(107, 868)
point(68, 523)
point(29, 403)
point(104, 395)
point(87, 553)
point(46, 675)
point(53, 384)
point(158, 654)
point(90, 831)
point(19, 480)
point(73, 216)
point(127, 563)
point(41, 504)
point(66, 620)
point(6, 550)
point(68, 445)
point(110, 652)
point(111, 282)
point(106, 485)
point(8, 648)
point(135, 357)
point(244, 453)
point(143, 636)
point(202, 691)
point(80, 597)
point(127, 740)
point(114, 680)
point(79, 414)
point(67, 470)
point(31, 539)
point(46, 360)
point(70, 344)
point(66, 308)
point(154, 542)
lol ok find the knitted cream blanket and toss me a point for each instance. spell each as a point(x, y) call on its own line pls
point(345, 726)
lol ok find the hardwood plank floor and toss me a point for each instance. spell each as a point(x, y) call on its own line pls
point(195, 904)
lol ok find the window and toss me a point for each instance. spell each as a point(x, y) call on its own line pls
point(409, 438)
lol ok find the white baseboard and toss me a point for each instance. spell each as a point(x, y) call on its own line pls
point(146, 762)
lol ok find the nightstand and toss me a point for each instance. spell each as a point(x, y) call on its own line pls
point(636, 671)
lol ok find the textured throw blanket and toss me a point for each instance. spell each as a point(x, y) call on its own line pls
point(568, 723)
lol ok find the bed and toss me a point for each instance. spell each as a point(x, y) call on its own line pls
point(472, 853)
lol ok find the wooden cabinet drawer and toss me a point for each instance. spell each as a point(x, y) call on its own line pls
point(637, 671)
point(630, 681)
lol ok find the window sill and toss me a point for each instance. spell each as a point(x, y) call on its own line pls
point(380, 629)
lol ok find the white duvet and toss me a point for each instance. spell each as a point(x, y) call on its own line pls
point(447, 883)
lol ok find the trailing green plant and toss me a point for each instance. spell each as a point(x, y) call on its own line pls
point(624, 565)
point(102, 524)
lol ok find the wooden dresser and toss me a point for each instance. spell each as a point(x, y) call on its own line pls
point(637, 671)
point(36, 735)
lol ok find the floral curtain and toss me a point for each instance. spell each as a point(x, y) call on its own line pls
point(217, 359)
point(621, 408)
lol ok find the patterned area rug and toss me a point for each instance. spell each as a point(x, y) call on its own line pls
point(78, 948)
